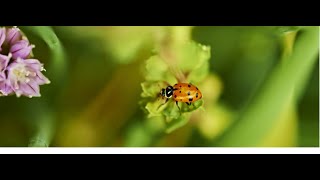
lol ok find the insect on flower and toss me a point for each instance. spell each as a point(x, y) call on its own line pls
point(181, 92)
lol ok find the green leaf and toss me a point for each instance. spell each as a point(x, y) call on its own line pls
point(177, 123)
point(153, 108)
point(158, 70)
point(262, 113)
point(193, 59)
point(150, 88)
point(150, 97)
point(285, 29)
point(171, 111)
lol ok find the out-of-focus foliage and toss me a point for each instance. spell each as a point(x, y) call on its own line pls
point(260, 87)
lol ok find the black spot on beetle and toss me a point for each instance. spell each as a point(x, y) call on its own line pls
point(197, 89)
point(190, 99)
point(189, 93)
point(175, 96)
point(196, 95)
point(179, 91)
point(175, 84)
point(189, 85)
point(180, 86)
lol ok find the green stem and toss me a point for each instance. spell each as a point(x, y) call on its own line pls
point(259, 117)
point(175, 37)
point(58, 57)
point(44, 132)
point(43, 123)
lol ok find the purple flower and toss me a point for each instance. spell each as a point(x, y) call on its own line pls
point(2, 36)
point(13, 35)
point(4, 60)
point(19, 74)
point(21, 49)
point(25, 76)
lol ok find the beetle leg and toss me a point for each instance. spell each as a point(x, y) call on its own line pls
point(163, 103)
point(178, 105)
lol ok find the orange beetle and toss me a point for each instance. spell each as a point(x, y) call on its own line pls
point(181, 92)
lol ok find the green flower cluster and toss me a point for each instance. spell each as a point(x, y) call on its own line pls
point(188, 63)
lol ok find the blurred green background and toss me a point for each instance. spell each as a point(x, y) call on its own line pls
point(262, 89)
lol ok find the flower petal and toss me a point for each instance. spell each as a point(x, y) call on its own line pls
point(2, 76)
point(2, 36)
point(34, 64)
point(41, 79)
point(30, 89)
point(25, 77)
point(21, 49)
point(5, 88)
point(4, 60)
point(13, 35)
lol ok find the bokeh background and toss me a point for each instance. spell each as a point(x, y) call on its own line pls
point(262, 89)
